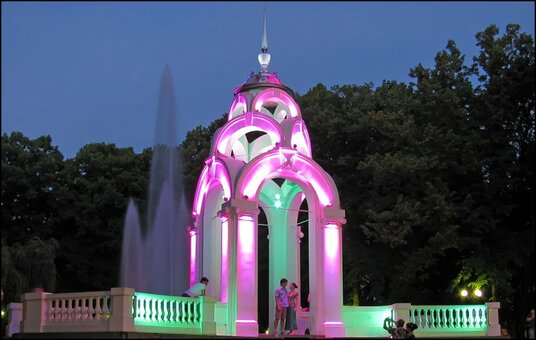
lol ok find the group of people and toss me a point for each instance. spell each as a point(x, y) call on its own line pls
point(286, 306)
point(397, 330)
point(286, 302)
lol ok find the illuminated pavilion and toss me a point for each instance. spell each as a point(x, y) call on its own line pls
point(237, 179)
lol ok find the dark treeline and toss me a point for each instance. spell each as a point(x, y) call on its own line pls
point(436, 177)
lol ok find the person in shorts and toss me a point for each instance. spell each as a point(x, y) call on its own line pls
point(281, 305)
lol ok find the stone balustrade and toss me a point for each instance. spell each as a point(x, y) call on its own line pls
point(124, 310)
point(117, 310)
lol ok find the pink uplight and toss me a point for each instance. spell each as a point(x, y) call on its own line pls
point(193, 250)
point(224, 259)
point(331, 236)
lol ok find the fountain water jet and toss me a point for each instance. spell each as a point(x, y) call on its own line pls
point(156, 261)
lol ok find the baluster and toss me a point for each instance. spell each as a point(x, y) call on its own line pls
point(183, 311)
point(77, 308)
point(146, 309)
point(63, 309)
point(197, 307)
point(433, 314)
point(153, 310)
point(165, 310)
point(140, 310)
point(99, 308)
point(172, 310)
point(190, 312)
point(92, 304)
point(85, 309)
point(160, 310)
point(70, 309)
point(442, 318)
point(178, 311)
point(50, 309)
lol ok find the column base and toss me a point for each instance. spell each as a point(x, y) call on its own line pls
point(334, 330)
point(248, 328)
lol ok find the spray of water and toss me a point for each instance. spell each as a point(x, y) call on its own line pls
point(157, 261)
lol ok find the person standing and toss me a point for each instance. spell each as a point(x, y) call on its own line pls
point(281, 305)
point(530, 324)
point(397, 332)
point(293, 304)
point(197, 289)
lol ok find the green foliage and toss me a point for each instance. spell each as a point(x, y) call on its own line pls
point(29, 265)
point(31, 187)
point(100, 180)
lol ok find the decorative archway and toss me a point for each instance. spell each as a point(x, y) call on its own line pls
point(238, 177)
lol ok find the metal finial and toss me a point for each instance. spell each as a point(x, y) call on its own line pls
point(264, 45)
point(264, 57)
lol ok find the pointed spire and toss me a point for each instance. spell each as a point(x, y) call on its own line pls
point(264, 46)
point(264, 57)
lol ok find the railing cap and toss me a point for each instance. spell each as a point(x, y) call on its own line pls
point(496, 305)
point(122, 291)
point(401, 305)
point(14, 305)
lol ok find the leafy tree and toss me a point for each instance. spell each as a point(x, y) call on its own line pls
point(101, 178)
point(28, 265)
point(31, 187)
point(503, 255)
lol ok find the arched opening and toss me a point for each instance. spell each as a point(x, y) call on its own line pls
point(247, 136)
point(283, 217)
point(280, 181)
point(211, 238)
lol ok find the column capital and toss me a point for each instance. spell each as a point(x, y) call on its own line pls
point(240, 206)
point(334, 215)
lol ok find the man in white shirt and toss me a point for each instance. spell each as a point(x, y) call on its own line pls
point(281, 305)
point(197, 289)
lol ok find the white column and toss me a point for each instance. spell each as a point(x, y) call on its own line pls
point(242, 267)
point(332, 265)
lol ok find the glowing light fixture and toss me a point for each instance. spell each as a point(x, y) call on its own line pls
point(464, 292)
point(478, 292)
point(277, 204)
